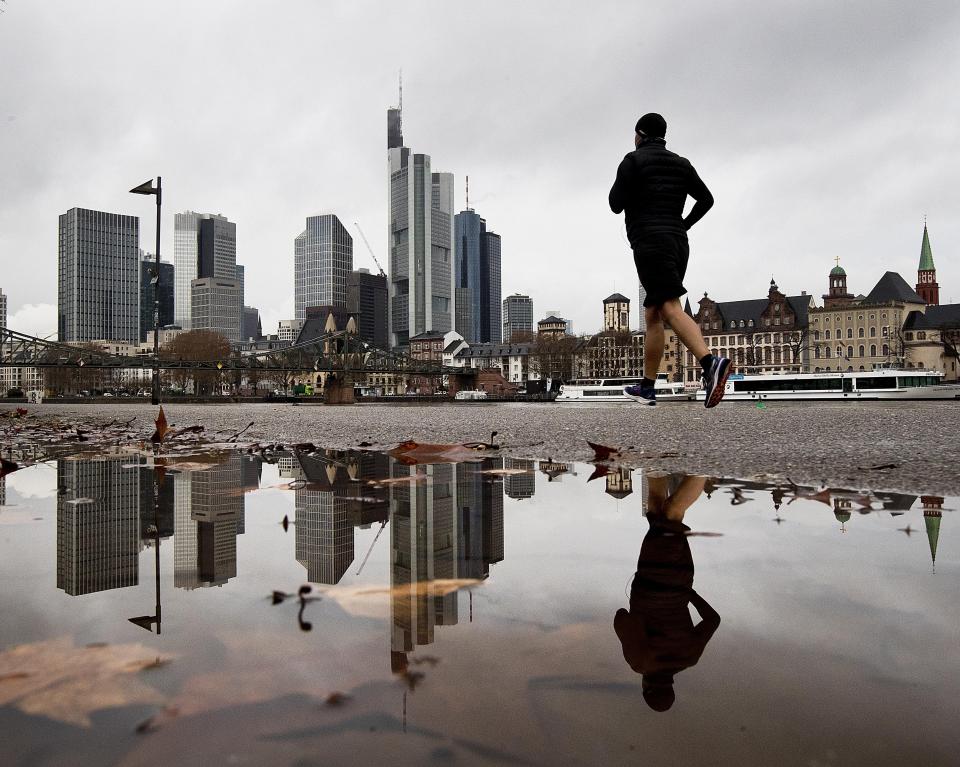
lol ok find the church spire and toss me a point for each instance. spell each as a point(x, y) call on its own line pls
point(927, 286)
point(926, 252)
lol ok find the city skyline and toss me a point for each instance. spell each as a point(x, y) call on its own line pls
point(799, 159)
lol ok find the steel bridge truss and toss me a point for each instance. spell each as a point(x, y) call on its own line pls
point(338, 352)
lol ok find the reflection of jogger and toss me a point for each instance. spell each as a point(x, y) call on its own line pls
point(651, 188)
point(657, 634)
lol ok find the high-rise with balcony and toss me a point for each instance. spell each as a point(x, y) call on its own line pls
point(420, 239)
point(322, 263)
point(98, 281)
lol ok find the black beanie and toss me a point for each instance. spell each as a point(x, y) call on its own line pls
point(653, 125)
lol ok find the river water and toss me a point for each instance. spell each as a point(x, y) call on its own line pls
point(351, 608)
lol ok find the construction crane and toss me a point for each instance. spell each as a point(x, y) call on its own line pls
point(367, 243)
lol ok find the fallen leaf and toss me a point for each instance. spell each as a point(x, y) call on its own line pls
point(61, 681)
point(412, 453)
point(602, 452)
point(162, 428)
point(7, 467)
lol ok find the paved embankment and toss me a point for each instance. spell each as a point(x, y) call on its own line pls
point(841, 443)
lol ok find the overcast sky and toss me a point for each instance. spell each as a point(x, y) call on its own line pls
point(823, 129)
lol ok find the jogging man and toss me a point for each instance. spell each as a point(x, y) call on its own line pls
point(652, 187)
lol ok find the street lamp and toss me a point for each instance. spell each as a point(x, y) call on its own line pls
point(147, 187)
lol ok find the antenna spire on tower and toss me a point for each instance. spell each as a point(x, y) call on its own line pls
point(468, 192)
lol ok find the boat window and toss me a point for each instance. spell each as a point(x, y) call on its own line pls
point(875, 382)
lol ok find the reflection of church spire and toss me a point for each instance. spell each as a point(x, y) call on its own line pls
point(841, 510)
point(932, 505)
point(620, 483)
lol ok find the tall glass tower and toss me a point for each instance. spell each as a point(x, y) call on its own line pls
point(204, 245)
point(420, 237)
point(477, 278)
point(98, 278)
point(323, 261)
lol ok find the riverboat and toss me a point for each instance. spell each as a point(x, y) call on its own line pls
point(611, 390)
point(885, 384)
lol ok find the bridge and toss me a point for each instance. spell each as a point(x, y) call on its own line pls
point(335, 352)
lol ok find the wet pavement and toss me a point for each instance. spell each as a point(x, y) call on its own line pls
point(910, 446)
point(235, 604)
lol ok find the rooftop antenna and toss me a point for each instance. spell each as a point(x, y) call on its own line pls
point(468, 192)
point(401, 97)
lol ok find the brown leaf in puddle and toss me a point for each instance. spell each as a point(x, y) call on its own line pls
point(598, 471)
point(400, 480)
point(603, 452)
point(162, 428)
point(412, 453)
point(336, 699)
point(505, 472)
point(61, 681)
point(372, 601)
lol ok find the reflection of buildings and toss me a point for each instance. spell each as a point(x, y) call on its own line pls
point(98, 525)
point(160, 514)
point(209, 512)
point(520, 486)
point(932, 513)
point(447, 524)
point(333, 500)
point(620, 483)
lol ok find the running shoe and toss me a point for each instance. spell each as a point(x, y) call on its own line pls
point(715, 381)
point(647, 396)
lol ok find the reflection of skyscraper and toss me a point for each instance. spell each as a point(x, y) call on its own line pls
point(423, 539)
point(209, 512)
point(324, 534)
point(98, 527)
point(520, 486)
point(156, 508)
point(480, 510)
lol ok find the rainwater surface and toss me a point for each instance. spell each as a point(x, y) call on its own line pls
point(349, 608)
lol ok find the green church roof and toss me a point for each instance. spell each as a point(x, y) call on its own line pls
point(932, 523)
point(926, 254)
point(838, 271)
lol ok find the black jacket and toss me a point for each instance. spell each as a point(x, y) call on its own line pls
point(652, 186)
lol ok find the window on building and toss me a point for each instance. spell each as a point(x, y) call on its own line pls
point(885, 331)
point(873, 350)
point(886, 350)
point(849, 332)
point(826, 352)
point(922, 336)
point(861, 350)
point(826, 334)
point(849, 352)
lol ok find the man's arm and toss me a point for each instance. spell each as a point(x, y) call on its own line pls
point(620, 191)
point(704, 200)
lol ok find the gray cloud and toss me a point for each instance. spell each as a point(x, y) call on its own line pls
point(823, 129)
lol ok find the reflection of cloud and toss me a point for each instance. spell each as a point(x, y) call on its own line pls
point(34, 320)
point(39, 481)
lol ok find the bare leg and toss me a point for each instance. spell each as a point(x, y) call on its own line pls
point(682, 499)
point(653, 342)
point(684, 326)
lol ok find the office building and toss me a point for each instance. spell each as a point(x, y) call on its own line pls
point(98, 293)
point(420, 236)
point(148, 285)
point(367, 300)
point(641, 314)
point(215, 306)
point(204, 246)
point(322, 262)
point(251, 324)
point(98, 524)
point(477, 278)
point(517, 318)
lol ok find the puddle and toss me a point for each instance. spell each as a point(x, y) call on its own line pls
point(353, 607)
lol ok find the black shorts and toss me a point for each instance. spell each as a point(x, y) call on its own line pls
point(661, 261)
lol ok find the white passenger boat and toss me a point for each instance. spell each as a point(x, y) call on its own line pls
point(611, 390)
point(903, 384)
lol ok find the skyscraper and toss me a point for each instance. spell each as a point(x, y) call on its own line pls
point(251, 324)
point(477, 278)
point(147, 287)
point(517, 317)
point(204, 246)
point(3, 309)
point(98, 277)
point(367, 299)
point(420, 235)
point(322, 262)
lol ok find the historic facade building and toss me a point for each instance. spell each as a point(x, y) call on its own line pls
point(759, 335)
point(864, 332)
